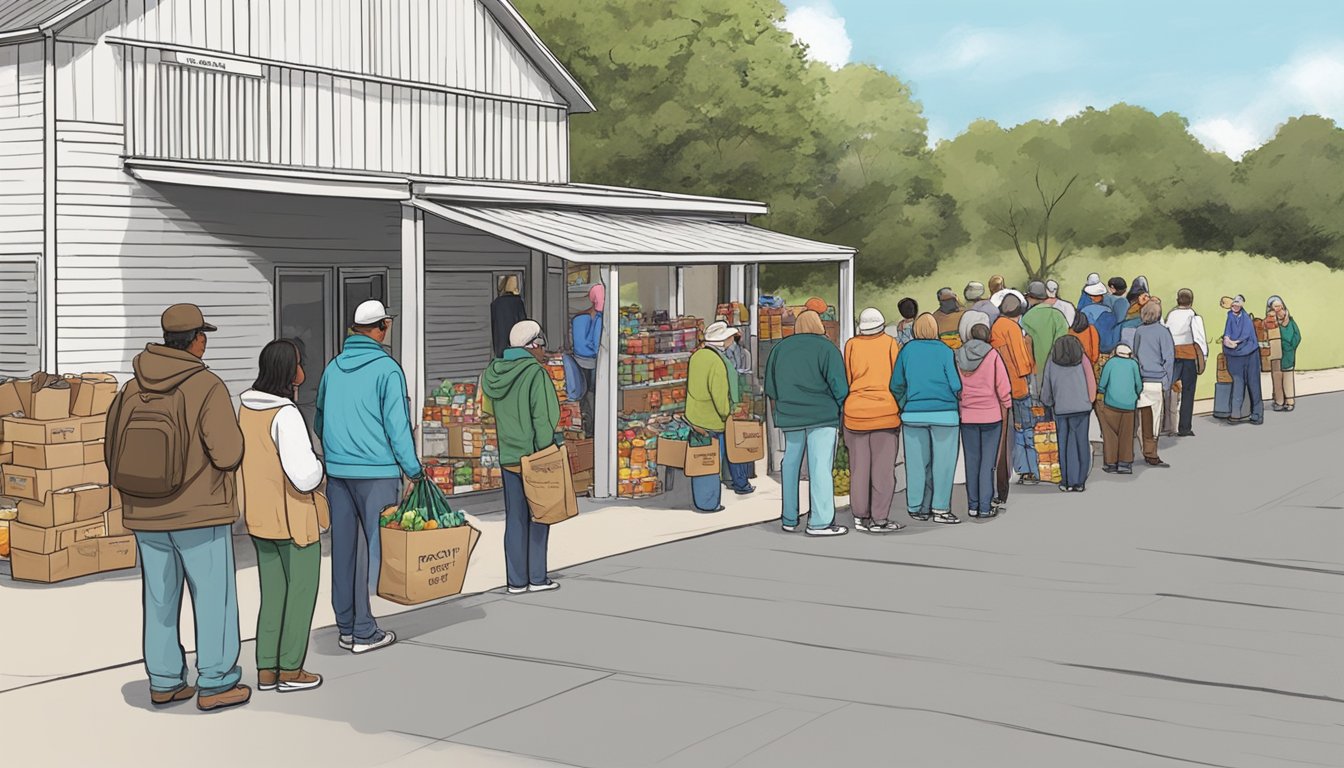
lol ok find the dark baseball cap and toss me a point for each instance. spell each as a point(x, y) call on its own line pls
point(181, 318)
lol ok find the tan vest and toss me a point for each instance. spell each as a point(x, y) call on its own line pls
point(272, 508)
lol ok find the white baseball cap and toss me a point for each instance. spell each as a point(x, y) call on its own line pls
point(371, 312)
point(526, 332)
point(871, 322)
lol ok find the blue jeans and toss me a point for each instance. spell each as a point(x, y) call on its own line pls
point(819, 444)
point(355, 508)
point(1075, 452)
point(1245, 372)
point(203, 557)
point(525, 541)
point(707, 490)
point(1025, 459)
point(930, 462)
point(980, 442)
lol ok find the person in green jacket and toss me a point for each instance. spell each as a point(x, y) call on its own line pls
point(522, 399)
point(713, 390)
point(1281, 369)
point(1120, 386)
point(1044, 324)
point(805, 380)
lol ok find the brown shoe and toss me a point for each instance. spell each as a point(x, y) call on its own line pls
point(164, 698)
point(299, 680)
point(235, 696)
point(267, 679)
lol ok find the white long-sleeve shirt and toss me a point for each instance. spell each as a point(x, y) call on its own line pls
point(1187, 327)
point(291, 438)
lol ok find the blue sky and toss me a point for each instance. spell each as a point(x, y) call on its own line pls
point(1235, 69)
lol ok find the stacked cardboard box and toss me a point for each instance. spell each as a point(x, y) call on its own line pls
point(68, 521)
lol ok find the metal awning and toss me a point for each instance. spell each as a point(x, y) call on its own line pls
point(603, 237)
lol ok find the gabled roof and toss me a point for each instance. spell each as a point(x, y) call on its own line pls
point(30, 18)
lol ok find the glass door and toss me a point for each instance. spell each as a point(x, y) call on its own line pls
point(304, 312)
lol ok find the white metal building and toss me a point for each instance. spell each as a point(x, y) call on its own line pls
point(279, 161)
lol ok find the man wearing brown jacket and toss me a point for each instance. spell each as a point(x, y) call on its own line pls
point(173, 444)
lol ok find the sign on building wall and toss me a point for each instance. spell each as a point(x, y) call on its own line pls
point(213, 63)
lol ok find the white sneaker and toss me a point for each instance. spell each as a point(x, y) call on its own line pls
point(387, 639)
point(789, 528)
point(347, 642)
point(547, 587)
point(834, 530)
point(517, 590)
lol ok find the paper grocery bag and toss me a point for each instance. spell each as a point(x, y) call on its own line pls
point(418, 566)
point(702, 460)
point(746, 441)
point(549, 485)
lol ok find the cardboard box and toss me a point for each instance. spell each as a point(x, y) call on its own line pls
point(425, 565)
point(116, 552)
point(66, 506)
point(12, 398)
point(581, 457)
point(464, 442)
point(71, 563)
point(73, 430)
point(746, 441)
point(44, 541)
point(93, 394)
point(34, 484)
point(114, 523)
point(583, 482)
point(51, 403)
point(57, 456)
point(672, 453)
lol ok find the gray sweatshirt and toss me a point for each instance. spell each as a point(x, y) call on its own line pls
point(1155, 351)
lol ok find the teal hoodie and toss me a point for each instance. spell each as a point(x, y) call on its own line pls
point(522, 399)
point(363, 415)
point(805, 377)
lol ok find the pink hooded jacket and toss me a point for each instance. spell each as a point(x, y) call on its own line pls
point(985, 389)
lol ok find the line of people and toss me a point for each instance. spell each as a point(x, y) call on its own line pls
point(977, 378)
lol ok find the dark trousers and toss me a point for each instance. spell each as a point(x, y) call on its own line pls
point(525, 541)
point(1186, 373)
point(586, 405)
point(1075, 452)
point(355, 508)
point(1245, 372)
point(980, 443)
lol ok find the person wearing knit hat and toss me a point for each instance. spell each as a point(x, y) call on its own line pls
point(1018, 441)
point(1053, 299)
point(948, 317)
point(1241, 350)
point(979, 301)
point(871, 424)
point(1044, 324)
point(1119, 388)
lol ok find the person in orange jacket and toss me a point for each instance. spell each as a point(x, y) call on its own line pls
point(872, 423)
point(1007, 339)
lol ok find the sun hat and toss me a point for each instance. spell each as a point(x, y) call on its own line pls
point(871, 322)
point(719, 331)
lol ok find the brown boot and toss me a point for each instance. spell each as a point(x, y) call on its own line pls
point(164, 698)
point(267, 679)
point(299, 680)
point(235, 696)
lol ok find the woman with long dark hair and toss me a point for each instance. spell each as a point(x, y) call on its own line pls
point(285, 516)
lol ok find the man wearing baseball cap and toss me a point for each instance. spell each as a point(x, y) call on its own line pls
point(364, 423)
point(173, 445)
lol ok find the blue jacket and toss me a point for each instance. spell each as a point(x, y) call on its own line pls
point(1103, 319)
point(587, 333)
point(576, 386)
point(363, 415)
point(925, 379)
point(1240, 328)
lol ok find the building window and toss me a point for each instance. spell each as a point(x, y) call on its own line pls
point(20, 351)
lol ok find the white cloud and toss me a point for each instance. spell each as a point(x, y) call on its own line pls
point(998, 53)
point(1311, 83)
point(822, 29)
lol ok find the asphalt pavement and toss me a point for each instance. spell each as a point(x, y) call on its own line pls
point(1182, 616)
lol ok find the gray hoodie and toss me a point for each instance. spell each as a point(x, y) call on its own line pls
point(972, 354)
